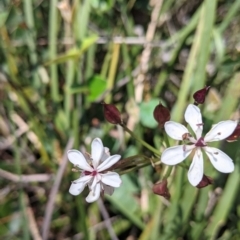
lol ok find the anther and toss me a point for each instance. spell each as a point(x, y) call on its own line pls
point(185, 136)
point(75, 170)
point(200, 143)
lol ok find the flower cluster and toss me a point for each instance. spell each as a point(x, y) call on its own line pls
point(95, 167)
point(94, 171)
point(174, 155)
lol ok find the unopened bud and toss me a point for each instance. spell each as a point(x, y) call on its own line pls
point(205, 182)
point(235, 135)
point(161, 189)
point(111, 114)
point(161, 115)
point(200, 95)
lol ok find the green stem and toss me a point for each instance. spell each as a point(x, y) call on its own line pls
point(149, 147)
point(53, 22)
point(167, 173)
point(133, 169)
point(166, 139)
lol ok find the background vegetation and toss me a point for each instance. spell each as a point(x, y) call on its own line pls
point(59, 60)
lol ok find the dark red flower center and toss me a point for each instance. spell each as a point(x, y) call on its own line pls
point(93, 173)
point(200, 142)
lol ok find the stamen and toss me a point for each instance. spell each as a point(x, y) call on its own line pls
point(87, 173)
point(75, 170)
point(88, 155)
point(200, 124)
point(185, 136)
point(216, 153)
point(219, 133)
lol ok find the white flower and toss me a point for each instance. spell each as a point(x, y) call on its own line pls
point(174, 155)
point(95, 174)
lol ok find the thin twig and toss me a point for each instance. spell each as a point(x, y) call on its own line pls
point(107, 220)
point(139, 86)
point(101, 40)
point(25, 178)
point(22, 129)
point(54, 190)
point(31, 220)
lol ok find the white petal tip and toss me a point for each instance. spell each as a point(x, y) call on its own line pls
point(229, 169)
point(74, 193)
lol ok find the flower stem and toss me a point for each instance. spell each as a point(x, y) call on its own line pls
point(166, 139)
point(167, 173)
point(149, 147)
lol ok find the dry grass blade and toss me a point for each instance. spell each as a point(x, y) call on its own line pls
point(54, 190)
point(25, 178)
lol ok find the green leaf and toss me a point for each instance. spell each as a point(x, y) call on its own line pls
point(74, 53)
point(3, 18)
point(146, 113)
point(102, 5)
point(123, 199)
point(97, 85)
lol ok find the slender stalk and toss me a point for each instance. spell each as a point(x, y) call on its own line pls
point(112, 70)
point(149, 147)
point(31, 39)
point(167, 173)
point(53, 49)
point(25, 229)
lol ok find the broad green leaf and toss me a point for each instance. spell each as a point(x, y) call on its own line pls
point(97, 86)
point(123, 199)
point(146, 113)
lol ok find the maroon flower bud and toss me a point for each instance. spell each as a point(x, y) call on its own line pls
point(200, 95)
point(161, 189)
point(161, 115)
point(205, 182)
point(236, 134)
point(111, 113)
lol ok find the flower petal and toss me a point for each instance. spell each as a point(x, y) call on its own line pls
point(221, 161)
point(96, 180)
point(195, 172)
point(193, 117)
point(84, 178)
point(106, 154)
point(111, 179)
point(107, 189)
point(94, 194)
point(97, 150)
point(79, 160)
point(175, 130)
point(78, 185)
point(108, 162)
point(221, 131)
point(175, 155)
